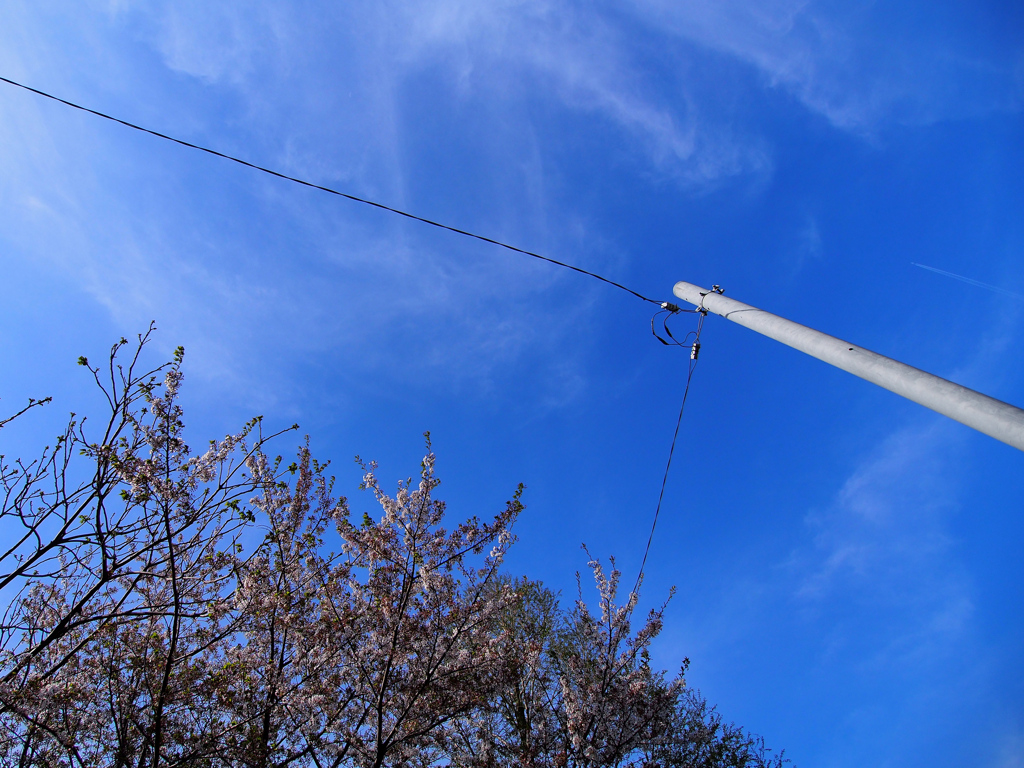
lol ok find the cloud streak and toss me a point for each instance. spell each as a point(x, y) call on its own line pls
point(857, 67)
point(969, 281)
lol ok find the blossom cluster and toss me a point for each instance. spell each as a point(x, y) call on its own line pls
point(185, 610)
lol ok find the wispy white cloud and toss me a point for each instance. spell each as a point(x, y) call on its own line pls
point(507, 51)
point(887, 530)
point(365, 288)
point(884, 546)
point(885, 512)
point(861, 67)
point(880, 579)
point(394, 300)
point(221, 47)
point(340, 122)
point(589, 62)
point(808, 244)
point(1010, 750)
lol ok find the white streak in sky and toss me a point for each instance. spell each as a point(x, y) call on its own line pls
point(968, 280)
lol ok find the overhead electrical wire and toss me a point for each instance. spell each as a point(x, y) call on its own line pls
point(671, 310)
point(322, 188)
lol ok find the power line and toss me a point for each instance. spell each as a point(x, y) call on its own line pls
point(694, 352)
point(345, 195)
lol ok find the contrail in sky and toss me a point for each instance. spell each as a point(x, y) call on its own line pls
point(968, 280)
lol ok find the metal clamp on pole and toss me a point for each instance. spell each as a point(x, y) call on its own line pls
point(993, 417)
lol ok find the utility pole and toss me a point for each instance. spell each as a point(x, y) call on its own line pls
point(993, 417)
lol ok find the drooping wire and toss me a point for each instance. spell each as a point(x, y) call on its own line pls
point(345, 195)
point(667, 311)
point(694, 353)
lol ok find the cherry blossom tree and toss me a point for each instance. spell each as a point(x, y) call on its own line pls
point(579, 689)
point(165, 607)
point(698, 737)
point(117, 583)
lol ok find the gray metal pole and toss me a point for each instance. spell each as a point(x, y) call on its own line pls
point(986, 414)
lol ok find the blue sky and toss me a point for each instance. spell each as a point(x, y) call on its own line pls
point(847, 562)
